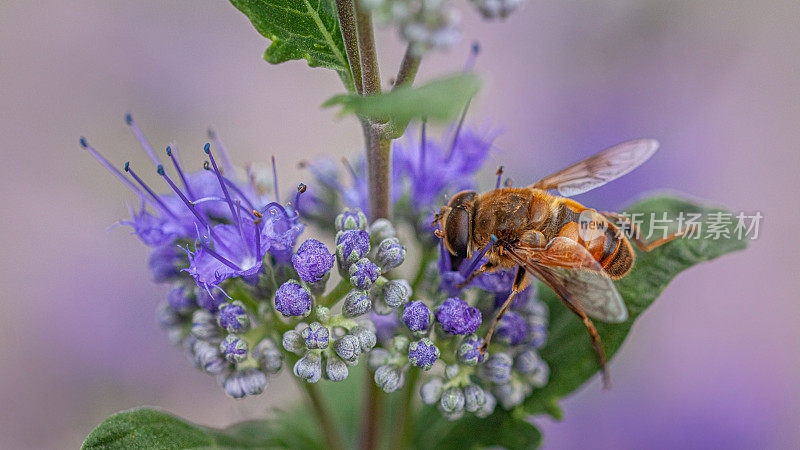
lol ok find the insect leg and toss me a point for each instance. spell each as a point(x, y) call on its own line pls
point(636, 234)
point(596, 342)
point(520, 283)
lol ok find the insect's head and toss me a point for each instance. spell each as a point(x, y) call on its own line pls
point(455, 224)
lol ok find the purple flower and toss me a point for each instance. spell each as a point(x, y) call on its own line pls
point(497, 368)
point(312, 261)
point(281, 228)
point(512, 329)
point(292, 299)
point(165, 262)
point(469, 352)
point(423, 353)
point(364, 273)
point(435, 168)
point(457, 317)
point(233, 317)
point(451, 277)
point(352, 245)
point(210, 302)
point(416, 316)
point(385, 325)
point(181, 298)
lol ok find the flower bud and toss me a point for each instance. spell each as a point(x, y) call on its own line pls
point(348, 348)
point(537, 331)
point(181, 298)
point(431, 391)
point(396, 293)
point(312, 261)
point(452, 400)
point(364, 273)
point(457, 317)
point(234, 348)
point(423, 353)
point(389, 378)
point(390, 254)
point(366, 338)
point(537, 371)
point(511, 394)
point(474, 397)
point(166, 315)
point(268, 355)
point(293, 342)
point(493, 9)
point(242, 383)
point(400, 343)
point(451, 371)
point(416, 316)
point(469, 352)
point(204, 325)
point(497, 368)
point(309, 367)
point(381, 229)
point(316, 336)
point(351, 245)
point(233, 317)
point(351, 219)
point(292, 299)
point(488, 406)
point(512, 329)
point(208, 357)
point(323, 313)
point(356, 303)
point(336, 369)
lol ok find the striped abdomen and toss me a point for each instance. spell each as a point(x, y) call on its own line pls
point(602, 238)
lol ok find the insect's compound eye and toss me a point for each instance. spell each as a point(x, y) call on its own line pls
point(461, 198)
point(457, 231)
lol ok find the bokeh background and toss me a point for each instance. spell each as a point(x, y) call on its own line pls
point(714, 363)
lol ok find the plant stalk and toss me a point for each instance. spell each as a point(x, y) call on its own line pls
point(408, 69)
point(402, 437)
point(372, 414)
point(347, 23)
point(329, 430)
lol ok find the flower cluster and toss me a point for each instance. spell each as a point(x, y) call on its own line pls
point(249, 297)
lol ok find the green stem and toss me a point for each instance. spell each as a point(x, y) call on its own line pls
point(403, 437)
point(371, 416)
point(329, 430)
point(370, 77)
point(346, 11)
point(428, 252)
point(408, 69)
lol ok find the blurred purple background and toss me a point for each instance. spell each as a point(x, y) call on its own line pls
point(714, 363)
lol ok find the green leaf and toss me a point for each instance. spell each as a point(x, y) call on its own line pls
point(299, 29)
point(151, 428)
point(440, 99)
point(568, 350)
point(501, 429)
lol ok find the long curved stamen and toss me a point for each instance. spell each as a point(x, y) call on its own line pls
point(228, 198)
point(474, 264)
point(257, 222)
point(217, 199)
point(142, 140)
point(276, 205)
point(223, 154)
point(499, 174)
point(350, 169)
point(177, 165)
point(113, 169)
point(189, 205)
point(275, 179)
point(149, 191)
point(473, 56)
point(238, 192)
point(300, 189)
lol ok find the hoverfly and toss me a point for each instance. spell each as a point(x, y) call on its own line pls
point(574, 250)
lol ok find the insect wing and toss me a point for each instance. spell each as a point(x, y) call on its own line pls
point(571, 272)
point(600, 168)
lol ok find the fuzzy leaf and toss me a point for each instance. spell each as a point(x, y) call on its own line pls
point(299, 29)
point(151, 428)
point(440, 99)
point(568, 350)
